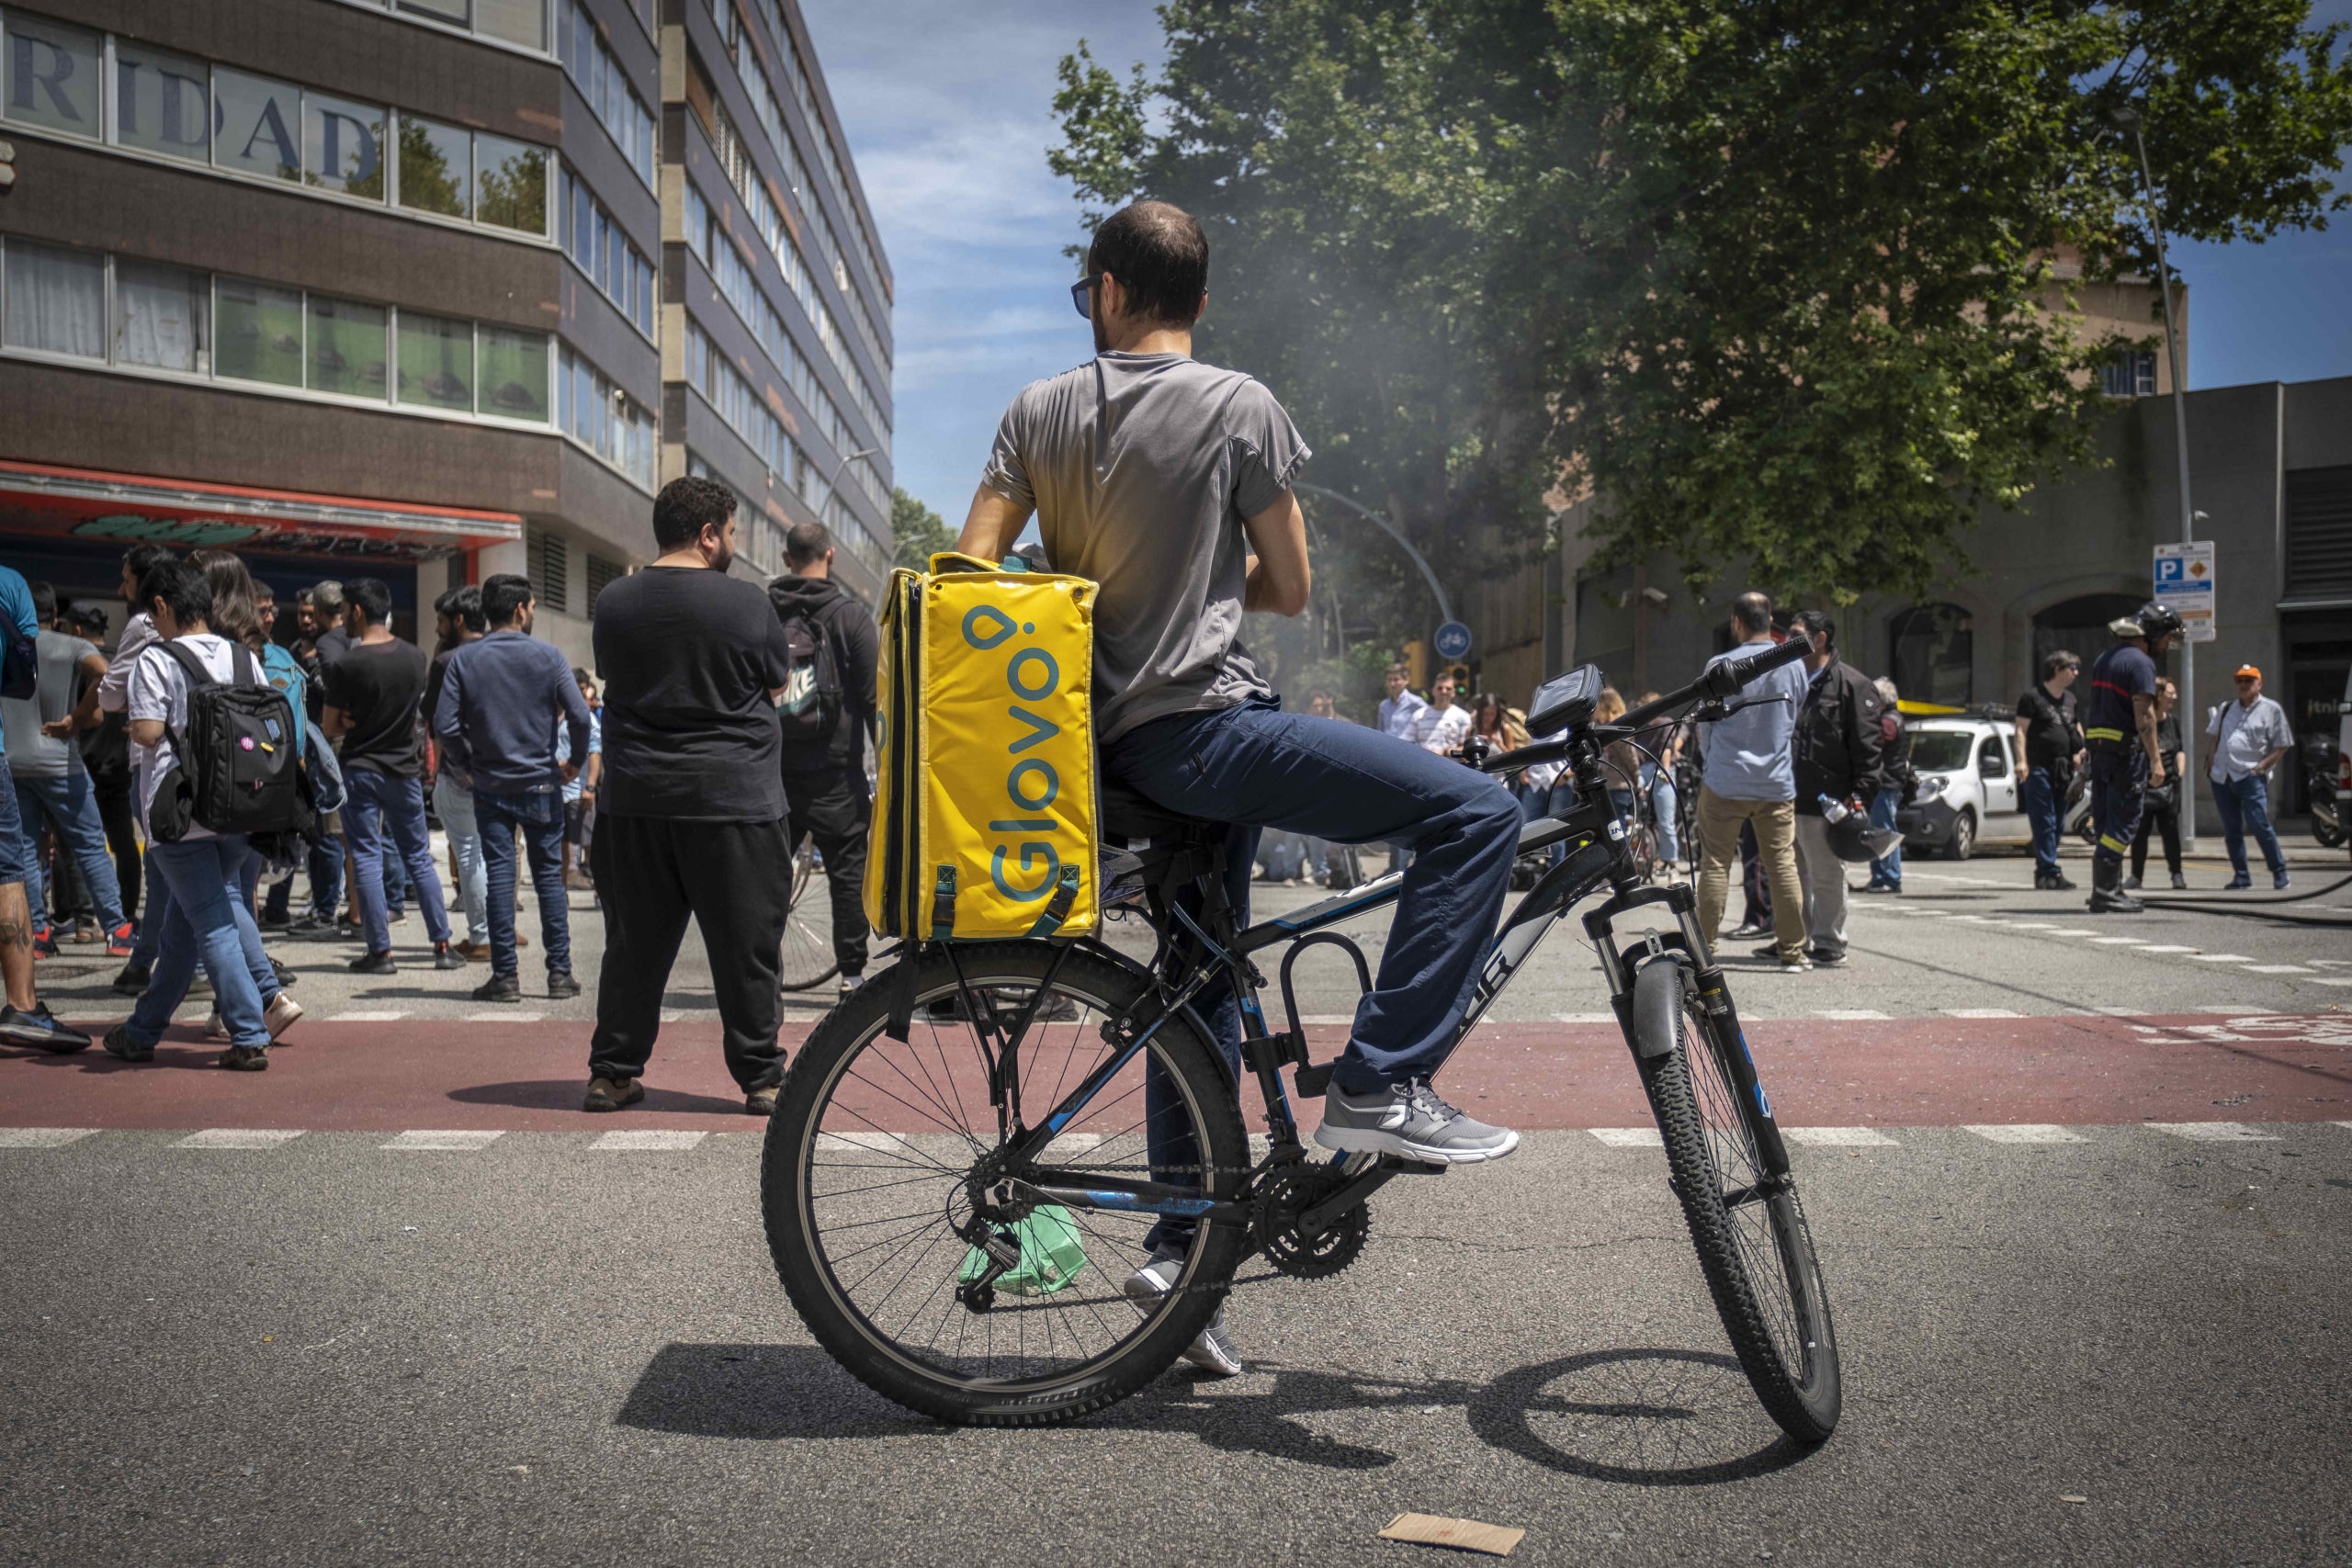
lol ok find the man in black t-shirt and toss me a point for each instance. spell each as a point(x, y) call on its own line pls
point(690, 819)
point(2050, 746)
point(370, 701)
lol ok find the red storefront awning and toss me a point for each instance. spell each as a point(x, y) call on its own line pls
point(88, 503)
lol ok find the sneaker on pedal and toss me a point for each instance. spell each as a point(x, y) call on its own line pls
point(1409, 1120)
point(1211, 1349)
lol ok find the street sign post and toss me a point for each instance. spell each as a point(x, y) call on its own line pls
point(2185, 584)
point(1451, 641)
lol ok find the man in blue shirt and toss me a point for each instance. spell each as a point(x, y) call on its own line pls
point(25, 1020)
point(501, 698)
point(1750, 778)
point(2119, 724)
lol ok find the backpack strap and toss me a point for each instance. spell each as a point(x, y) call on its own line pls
point(1057, 908)
point(197, 675)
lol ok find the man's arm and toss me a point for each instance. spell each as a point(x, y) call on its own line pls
point(85, 712)
point(991, 526)
point(1279, 575)
point(1864, 743)
point(114, 692)
point(448, 721)
point(862, 640)
point(2021, 729)
point(334, 721)
point(574, 709)
point(2144, 720)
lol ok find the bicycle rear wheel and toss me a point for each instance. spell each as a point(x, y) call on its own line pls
point(808, 959)
point(1731, 1174)
point(873, 1168)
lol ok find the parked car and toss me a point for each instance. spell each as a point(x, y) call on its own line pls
point(1968, 785)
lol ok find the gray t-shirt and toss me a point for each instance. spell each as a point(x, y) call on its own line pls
point(31, 754)
point(1141, 467)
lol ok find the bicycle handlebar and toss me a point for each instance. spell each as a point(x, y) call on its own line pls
point(1720, 681)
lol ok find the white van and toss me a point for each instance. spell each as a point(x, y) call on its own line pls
point(1968, 786)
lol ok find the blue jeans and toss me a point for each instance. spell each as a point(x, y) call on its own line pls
point(1254, 766)
point(2245, 806)
point(1887, 870)
point(454, 804)
point(326, 878)
point(1663, 805)
point(70, 807)
point(384, 817)
point(2045, 808)
point(540, 817)
point(206, 878)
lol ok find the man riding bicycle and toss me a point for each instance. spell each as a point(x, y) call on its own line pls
point(1166, 481)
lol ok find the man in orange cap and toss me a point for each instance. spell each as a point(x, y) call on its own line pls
point(2249, 737)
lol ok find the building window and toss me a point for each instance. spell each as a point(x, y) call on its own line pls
point(601, 574)
point(163, 317)
point(551, 571)
point(57, 300)
point(597, 414)
point(171, 320)
point(1934, 655)
point(522, 23)
point(2131, 374)
point(595, 242)
point(604, 84)
point(172, 105)
point(53, 77)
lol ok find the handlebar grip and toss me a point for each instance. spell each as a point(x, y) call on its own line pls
point(1732, 674)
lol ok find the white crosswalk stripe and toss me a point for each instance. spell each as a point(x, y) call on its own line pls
point(2215, 1132)
point(2026, 1132)
point(1585, 1017)
point(2278, 969)
point(1841, 1137)
point(1629, 1137)
point(1852, 1015)
point(646, 1139)
point(369, 1015)
point(1983, 1012)
point(238, 1138)
point(42, 1137)
point(503, 1015)
point(2220, 958)
point(463, 1141)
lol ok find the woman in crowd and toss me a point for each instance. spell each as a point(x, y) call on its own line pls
point(2163, 813)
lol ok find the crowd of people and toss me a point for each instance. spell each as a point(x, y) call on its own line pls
point(103, 806)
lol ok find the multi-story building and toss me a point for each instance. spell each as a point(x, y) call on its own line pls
point(427, 289)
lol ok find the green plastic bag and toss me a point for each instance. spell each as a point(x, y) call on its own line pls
point(1051, 1257)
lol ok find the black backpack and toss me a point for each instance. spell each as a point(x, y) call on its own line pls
point(235, 767)
point(812, 708)
point(20, 664)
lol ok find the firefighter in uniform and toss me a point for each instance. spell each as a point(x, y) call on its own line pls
point(2119, 723)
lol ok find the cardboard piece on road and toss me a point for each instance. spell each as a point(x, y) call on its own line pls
point(1469, 1535)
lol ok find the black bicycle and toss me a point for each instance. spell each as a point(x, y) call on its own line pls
point(975, 1157)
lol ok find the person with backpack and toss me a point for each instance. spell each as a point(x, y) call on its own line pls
point(373, 695)
point(25, 1020)
point(826, 716)
point(502, 698)
point(213, 748)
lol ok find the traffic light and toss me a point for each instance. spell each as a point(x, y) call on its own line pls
point(7, 167)
point(1417, 665)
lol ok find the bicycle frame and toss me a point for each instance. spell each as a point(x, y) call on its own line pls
point(1598, 854)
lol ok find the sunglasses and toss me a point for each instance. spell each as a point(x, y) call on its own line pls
point(1081, 294)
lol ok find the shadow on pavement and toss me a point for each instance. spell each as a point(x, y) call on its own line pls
point(1643, 1417)
point(564, 1094)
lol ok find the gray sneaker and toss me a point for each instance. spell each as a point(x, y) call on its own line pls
point(1408, 1120)
point(1210, 1350)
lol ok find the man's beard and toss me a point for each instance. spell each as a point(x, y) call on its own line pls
point(724, 558)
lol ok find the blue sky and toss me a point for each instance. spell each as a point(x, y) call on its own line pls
point(948, 106)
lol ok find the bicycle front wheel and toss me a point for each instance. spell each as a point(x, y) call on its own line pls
point(1731, 1174)
point(881, 1152)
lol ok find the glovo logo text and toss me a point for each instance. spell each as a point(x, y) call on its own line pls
point(1031, 783)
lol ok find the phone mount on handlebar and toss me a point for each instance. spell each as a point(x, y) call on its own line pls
point(1564, 701)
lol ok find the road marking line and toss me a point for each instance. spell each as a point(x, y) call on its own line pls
point(649, 1138)
point(2168, 947)
point(2333, 962)
point(466, 1139)
point(2278, 969)
point(503, 1015)
point(2071, 930)
point(238, 1138)
point(1934, 914)
point(2346, 1125)
point(2117, 942)
point(1851, 1015)
point(2035, 926)
point(1983, 1012)
point(1841, 1137)
point(2220, 958)
point(2025, 1132)
point(42, 1137)
point(363, 1015)
point(1343, 1018)
point(2238, 1013)
point(1979, 919)
point(1629, 1137)
point(1585, 1017)
point(2326, 980)
point(2215, 1132)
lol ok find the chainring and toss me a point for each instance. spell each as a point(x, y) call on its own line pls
point(1288, 1194)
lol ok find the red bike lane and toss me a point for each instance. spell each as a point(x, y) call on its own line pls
point(414, 1074)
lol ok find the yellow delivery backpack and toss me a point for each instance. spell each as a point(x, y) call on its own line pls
point(984, 814)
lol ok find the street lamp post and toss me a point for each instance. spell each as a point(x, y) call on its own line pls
point(2129, 119)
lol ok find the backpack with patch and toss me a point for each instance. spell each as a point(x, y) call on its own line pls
point(812, 708)
point(238, 759)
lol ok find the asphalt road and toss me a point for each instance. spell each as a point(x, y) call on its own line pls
point(327, 1352)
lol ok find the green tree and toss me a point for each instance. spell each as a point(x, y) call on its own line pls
point(1785, 285)
point(919, 532)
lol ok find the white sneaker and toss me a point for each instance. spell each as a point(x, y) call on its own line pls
point(1211, 1350)
point(214, 1029)
point(282, 1014)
